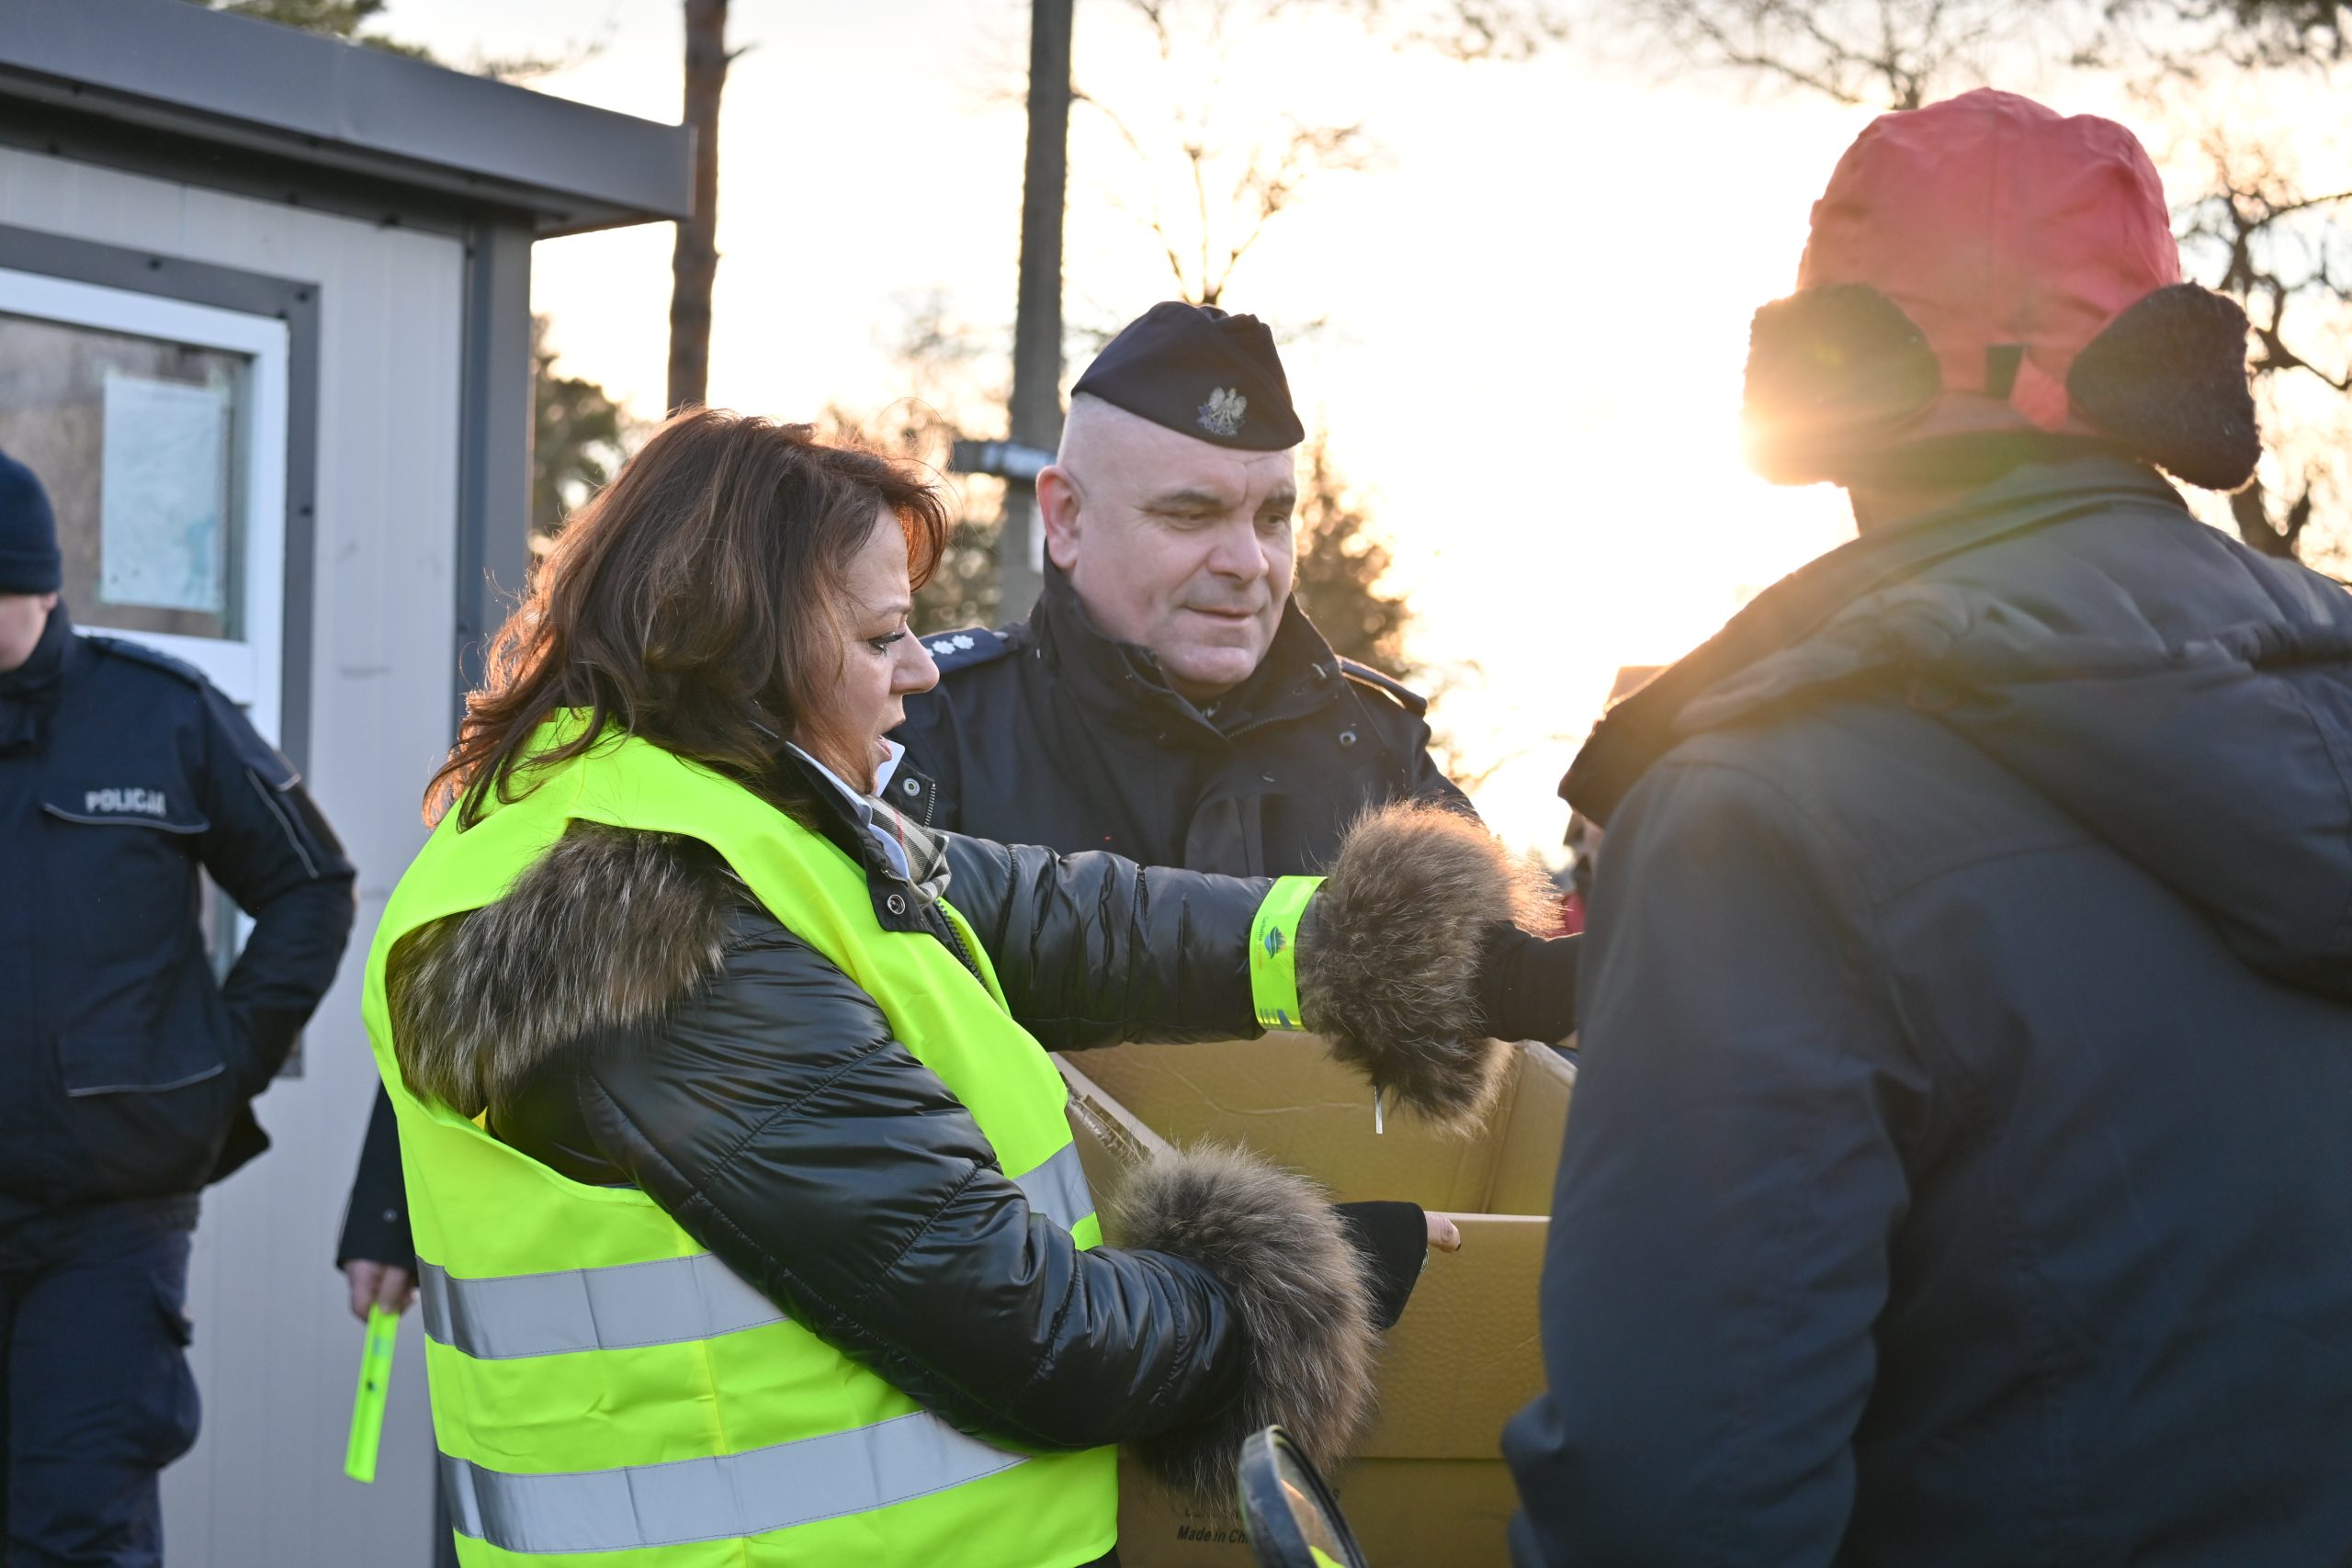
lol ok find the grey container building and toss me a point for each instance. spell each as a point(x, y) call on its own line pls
point(265, 330)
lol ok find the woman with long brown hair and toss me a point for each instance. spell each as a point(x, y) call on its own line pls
point(749, 1225)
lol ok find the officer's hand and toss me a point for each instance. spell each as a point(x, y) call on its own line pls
point(1444, 1234)
point(1527, 985)
point(379, 1284)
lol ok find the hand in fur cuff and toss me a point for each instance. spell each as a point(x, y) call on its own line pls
point(1527, 984)
point(1391, 953)
point(1300, 1290)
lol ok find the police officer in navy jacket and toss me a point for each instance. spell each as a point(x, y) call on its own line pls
point(126, 1067)
point(1167, 699)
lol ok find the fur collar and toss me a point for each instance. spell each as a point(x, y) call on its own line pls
point(604, 932)
point(603, 935)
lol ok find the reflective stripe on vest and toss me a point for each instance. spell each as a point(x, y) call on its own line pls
point(1057, 1189)
point(662, 1302)
point(620, 1308)
point(716, 1500)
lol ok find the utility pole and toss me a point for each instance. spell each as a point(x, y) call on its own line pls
point(694, 261)
point(1035, 416)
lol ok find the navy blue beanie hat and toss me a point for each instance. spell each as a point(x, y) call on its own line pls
point(1202, 373)
point(29, 558)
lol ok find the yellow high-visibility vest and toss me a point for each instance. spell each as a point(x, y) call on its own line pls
point(605, 1391)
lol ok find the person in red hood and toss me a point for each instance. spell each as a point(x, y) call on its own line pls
point(1959, 1170)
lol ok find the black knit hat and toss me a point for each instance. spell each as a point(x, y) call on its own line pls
point(29, 558)
point(1202, 373)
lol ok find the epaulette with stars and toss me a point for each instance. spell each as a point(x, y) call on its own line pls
point(962, 649)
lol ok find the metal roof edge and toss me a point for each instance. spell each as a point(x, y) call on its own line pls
point(172, 65)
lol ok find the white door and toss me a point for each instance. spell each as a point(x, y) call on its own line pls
point(158, 428)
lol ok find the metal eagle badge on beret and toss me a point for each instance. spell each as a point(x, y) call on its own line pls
point(1223, 413)
point(1200, 372)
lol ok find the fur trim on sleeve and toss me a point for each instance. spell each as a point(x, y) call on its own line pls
point(1389, 956)
point(1301, 1295)
point(603, 932)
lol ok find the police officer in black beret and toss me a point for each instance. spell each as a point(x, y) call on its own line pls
point(1167, 699)
point(125, 1067)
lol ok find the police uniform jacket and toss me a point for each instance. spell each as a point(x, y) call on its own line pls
point(125, 1066)
point(1050, 733)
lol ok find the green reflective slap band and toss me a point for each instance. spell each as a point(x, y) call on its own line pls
point(1273, 952)
point(375, 1384)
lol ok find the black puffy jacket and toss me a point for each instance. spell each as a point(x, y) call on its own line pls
point(1960, 1171)
point(769, 1110)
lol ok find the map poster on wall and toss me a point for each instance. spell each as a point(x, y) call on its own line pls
point(163, 495)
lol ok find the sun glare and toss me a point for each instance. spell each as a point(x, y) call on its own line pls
point(1524, 327)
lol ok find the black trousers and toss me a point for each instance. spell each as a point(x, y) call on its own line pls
point(96, 1395)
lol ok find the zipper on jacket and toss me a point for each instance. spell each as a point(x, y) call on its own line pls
point(955, 945)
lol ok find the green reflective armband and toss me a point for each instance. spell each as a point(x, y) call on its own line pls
point(1273, 952)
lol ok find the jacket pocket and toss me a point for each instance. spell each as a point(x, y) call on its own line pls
point(145, 1110)
point(121, 1061)
point(121, 886)
point(170, 1412)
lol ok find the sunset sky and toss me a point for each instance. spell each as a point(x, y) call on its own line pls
point(1535, 309)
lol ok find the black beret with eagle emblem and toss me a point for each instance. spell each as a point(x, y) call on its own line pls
point(1201, 372)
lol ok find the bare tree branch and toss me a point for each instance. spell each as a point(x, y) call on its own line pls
point(1156, 220)
point(2185, 38)
point(1234, 196)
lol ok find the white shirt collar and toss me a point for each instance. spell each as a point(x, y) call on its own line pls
point(864, 805)
point(882, 773)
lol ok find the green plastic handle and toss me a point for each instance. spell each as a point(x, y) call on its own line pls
point(374, 1385)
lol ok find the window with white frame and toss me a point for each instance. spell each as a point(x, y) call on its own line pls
point(159, 428)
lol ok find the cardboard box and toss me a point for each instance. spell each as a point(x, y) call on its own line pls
point(1428, 1485)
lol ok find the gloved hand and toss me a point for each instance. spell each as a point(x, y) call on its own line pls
point(1527, 985)
point(1394, 1240)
